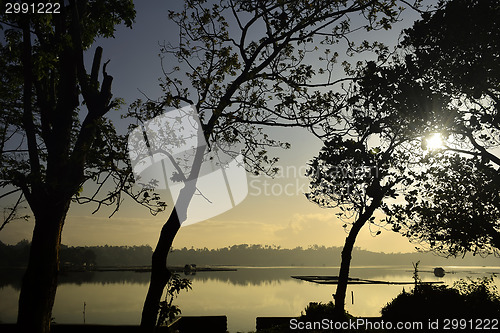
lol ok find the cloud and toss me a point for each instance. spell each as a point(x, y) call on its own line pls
point(321, 228)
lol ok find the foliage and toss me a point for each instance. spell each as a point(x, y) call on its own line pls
point(245, 65)
point(465, 35)
point(122, 255)
point(17, 255)
point(258, 74)
point(14, 255)
point(319, 311)
point(444, 79)
point(258, 255)
point(465, 300)
point(371, 144)
point(54, 134)
point(478, 291)
point(48, 141)
point(363, 162)
point(454, 51)
point(351, 175)
point(453, 206)
point(354, 176)
point(169, 311)
point(79, 256)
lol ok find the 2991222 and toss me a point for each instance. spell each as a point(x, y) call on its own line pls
point(32, 8)
point(470, 324)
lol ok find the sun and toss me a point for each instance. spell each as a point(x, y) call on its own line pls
point(434, 141)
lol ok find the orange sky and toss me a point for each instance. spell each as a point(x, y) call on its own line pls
point(264, 217)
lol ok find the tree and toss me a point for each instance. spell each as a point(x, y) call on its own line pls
point(54, 134)
point(453, 207)
point(256, 74)
point(373, 146)
point(453, 53)
point(358, 171)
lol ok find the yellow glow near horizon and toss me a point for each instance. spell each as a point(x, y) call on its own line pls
point(434, 141)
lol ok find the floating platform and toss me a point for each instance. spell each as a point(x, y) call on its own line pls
point(335, 280)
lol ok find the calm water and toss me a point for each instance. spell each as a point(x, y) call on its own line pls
point(117, 297)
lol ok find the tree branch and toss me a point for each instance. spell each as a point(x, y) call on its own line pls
point(9, 193)
point(27, 101)
point(484, 152)
point(12, 212)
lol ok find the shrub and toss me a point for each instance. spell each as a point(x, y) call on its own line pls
point(467, 299)
point(320, 310)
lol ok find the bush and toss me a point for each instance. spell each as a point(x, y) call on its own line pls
point(467, 299)
point(319, 311)
point(314, 312)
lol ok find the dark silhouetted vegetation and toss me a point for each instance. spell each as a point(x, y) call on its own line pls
point(14, 255)
point(122, 255)
point(451, 54)
point(235, 255)
point(264, 255)
point(454, 207)
point(77, 256)
point(242, 82)
point(169, 311)
point(54, 132)
point(466, 299)
point(17, 255)
point(318, 311)
point(431, 86)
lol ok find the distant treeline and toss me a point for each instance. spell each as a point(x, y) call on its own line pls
point(258, 255)
point(238, 255)
point(17, 255)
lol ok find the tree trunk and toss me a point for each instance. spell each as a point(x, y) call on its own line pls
point(345, 265)
point(159, 273)
point(346, 255)
point(39, 284)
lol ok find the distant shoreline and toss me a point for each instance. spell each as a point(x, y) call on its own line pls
point(75, 258)
point(146, 269)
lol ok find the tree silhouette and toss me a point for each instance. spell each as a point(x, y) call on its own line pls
point(244, 65)
point(362, 166)
point(54, 134)
point(374, 146)
point(453, 207)
point(453, 54)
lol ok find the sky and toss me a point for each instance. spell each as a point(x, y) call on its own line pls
point(275, 211)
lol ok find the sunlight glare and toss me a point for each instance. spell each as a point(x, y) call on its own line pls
point(434, 141)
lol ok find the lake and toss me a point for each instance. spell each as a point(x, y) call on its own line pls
point(242, 295)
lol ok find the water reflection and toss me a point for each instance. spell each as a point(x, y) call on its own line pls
point(13, 278)
point(242, 295)
point(257, 276)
